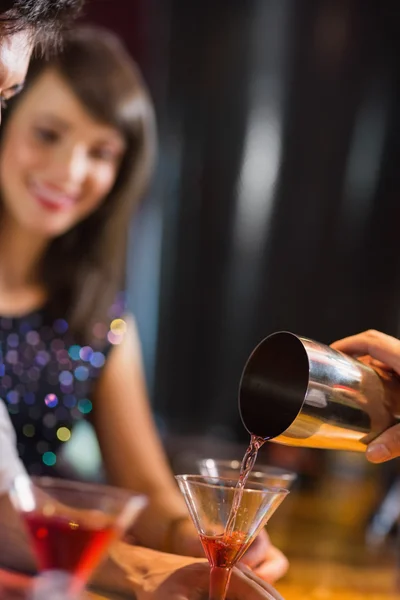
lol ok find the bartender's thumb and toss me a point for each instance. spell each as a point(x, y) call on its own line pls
point(386, 446)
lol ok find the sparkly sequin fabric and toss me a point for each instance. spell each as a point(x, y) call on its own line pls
point(47, 380)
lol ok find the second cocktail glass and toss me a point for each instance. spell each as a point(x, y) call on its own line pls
point(71, 526)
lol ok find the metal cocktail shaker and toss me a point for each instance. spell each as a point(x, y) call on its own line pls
point(299, 392)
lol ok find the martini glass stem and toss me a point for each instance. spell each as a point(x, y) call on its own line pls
point(219, 581)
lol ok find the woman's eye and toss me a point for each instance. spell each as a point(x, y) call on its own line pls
point(46, 135)
point(106, 154)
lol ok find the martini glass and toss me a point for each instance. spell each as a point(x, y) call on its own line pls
point(71, 525)
point(210, 501)
point(266, 475)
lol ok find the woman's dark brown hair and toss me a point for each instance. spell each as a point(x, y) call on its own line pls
point(84, 269)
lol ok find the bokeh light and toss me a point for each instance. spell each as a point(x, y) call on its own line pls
point(51, 400)
point(49, 459)
point(63, 434)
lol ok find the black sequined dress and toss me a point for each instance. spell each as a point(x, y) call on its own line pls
point(47, 380)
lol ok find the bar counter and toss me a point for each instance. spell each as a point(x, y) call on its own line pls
point(322, 531)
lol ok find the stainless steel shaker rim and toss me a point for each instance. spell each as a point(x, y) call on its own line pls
point(302, 379)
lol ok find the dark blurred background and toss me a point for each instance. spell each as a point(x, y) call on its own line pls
point(276, 200)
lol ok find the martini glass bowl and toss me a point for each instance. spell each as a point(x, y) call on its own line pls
point(71, 526)
point(266, 475)
point(210, 501)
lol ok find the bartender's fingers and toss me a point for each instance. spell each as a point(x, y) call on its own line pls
point(273, 567)
point(380, 346)
point(386, 446)
point(374, 363)
point(275, 595)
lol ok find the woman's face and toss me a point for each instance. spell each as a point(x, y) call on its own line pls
point(57, 164)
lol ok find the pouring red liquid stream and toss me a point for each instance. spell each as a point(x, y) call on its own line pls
point(246, 467)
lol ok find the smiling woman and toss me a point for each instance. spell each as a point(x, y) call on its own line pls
point(77, 152)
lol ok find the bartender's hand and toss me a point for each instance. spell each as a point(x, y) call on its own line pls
point(265, 560)
point(153, 575)
point(384, 353)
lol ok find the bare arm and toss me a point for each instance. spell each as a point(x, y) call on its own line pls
point(130, 445)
